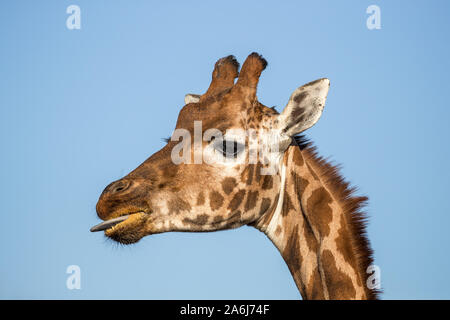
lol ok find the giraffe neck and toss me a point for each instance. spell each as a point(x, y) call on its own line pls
point(312, 228)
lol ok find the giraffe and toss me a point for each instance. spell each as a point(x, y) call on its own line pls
point(304, 206)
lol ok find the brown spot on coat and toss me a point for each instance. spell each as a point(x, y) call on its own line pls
point(228, 184)
point(267, 182)
point(252, 197)
point(237, 199)
point(200, 198)
point(215, 200)
point(258, 169)
point(287, 205)
point(298, 158)
point(319, 211)
point(339, 284)
point(176, 205)
point(302, 183)
point(201, 219)
point(291, 253)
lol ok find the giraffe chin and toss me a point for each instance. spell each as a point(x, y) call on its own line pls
point(130, 230)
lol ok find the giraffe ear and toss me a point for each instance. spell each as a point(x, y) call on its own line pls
point(304, 107)
point(191, 98)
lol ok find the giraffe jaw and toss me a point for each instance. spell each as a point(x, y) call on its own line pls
point(130, 230)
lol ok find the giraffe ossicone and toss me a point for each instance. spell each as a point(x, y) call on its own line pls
point(232, 161)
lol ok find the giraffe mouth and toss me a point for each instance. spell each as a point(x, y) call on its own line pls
point(112, 222)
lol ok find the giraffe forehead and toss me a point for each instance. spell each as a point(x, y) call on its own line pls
point(221, 115)
point(208, 118)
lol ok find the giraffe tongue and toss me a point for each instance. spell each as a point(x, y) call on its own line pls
point(108, 224)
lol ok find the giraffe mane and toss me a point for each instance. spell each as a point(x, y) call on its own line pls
point(352, 205)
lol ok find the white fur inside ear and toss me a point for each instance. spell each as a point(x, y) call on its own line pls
point(191, 98)
point(304, 107)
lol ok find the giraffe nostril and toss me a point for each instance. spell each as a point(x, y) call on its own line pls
point(118, 186)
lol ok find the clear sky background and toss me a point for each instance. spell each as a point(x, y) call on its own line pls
point(81, 108)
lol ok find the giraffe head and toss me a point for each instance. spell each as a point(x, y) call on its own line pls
point(219, 169)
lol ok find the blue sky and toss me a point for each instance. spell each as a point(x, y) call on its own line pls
point(81, 108)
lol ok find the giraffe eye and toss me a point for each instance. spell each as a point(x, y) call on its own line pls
point(229, 149)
